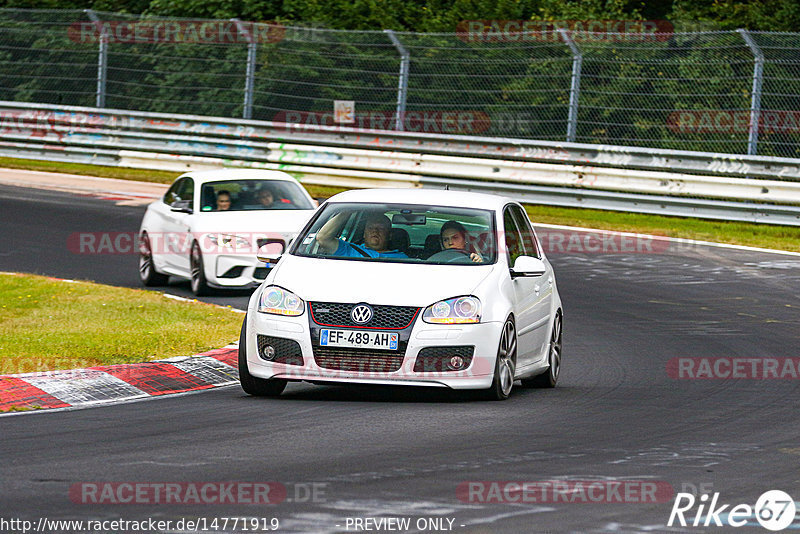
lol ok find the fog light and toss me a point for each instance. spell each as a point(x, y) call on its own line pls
point(456, 363)
point(268, 352)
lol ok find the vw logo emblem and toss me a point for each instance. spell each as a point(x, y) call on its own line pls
point(361, 314)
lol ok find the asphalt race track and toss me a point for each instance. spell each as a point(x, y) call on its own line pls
point(620, 414)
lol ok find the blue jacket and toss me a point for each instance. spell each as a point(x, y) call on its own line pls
point(348, 250)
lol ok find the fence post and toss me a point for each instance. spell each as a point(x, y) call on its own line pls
point(575, 85)
point(250, 73)
point(102, 59)
point(755, 100)
point(402, 84)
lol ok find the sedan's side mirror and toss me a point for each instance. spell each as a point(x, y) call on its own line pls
point(181, 206)
point(270, 251)
point(528, 266)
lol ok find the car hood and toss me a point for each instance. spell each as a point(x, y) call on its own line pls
point(399, 284)
point(244, 222)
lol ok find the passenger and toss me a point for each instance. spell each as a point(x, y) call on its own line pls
point(454, 236)
point(265, 198)
point(223, 201)
point(376, 238)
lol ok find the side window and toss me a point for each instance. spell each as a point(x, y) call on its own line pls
point(186, 191)
point(173, 193)
point(526, 231)
point(513, 239)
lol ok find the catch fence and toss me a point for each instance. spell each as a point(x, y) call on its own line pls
point(734, 92)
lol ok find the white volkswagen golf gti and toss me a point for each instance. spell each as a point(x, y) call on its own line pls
point(406, 287)
point(209, 225)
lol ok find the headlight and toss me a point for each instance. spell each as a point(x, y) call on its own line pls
point(458, 310)
point(278, 301)
point(228, 241)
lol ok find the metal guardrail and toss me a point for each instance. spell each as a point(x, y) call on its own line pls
point(751, 188)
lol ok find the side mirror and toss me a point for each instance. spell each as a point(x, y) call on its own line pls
point(181, 206)
point(270, 251)
point(528, 266)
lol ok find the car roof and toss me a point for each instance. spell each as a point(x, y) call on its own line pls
point(238, 174)
point(432, 197)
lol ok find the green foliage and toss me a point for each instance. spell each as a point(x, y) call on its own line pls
point(764, 15)
point(629, 90)
point(444, 15)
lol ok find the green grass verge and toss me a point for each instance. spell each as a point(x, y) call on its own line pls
point(121, 173)
point(48, 324)
point(124, 173)
point(754, 235)
point(737, 233)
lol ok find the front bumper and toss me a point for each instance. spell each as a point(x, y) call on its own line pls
point(235, 270)
point(478, 375)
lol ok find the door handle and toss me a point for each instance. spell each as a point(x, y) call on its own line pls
point(536, 288)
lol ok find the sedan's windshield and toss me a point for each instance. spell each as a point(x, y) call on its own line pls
point(243, 195)
point(401, 233)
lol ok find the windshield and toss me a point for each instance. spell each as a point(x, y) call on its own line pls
point(245, 195)
point(400, 233)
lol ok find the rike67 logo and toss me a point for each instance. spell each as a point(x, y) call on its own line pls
point(775, 510)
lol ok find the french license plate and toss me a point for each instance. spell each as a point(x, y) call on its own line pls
point(359, 339)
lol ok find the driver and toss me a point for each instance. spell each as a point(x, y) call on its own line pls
point(376, 238)
point(454, 236)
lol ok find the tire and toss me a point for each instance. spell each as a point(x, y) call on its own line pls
point(549, 378)
point(147, 270)
point(505, 363)
point(258, 387)
point(199, 283)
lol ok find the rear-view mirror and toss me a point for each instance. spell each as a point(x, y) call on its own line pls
point(409, 218)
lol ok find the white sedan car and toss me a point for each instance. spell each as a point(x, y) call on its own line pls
point(407, 287)
point(209, 225)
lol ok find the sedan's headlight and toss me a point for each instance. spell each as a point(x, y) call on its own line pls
point(278, 301)
point(228, 241)
point(458, 310)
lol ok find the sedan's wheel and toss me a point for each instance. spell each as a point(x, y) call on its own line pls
point(199, 284)
point(147, 271)
point(505, 364)
point(259, 387)
point(549, 378)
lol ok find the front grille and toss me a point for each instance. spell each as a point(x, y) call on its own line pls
point(337, 314)
point(287, 351)
point(366, 361)
point(434, 359)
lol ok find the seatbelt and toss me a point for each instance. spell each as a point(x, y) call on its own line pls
point(358, 249)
